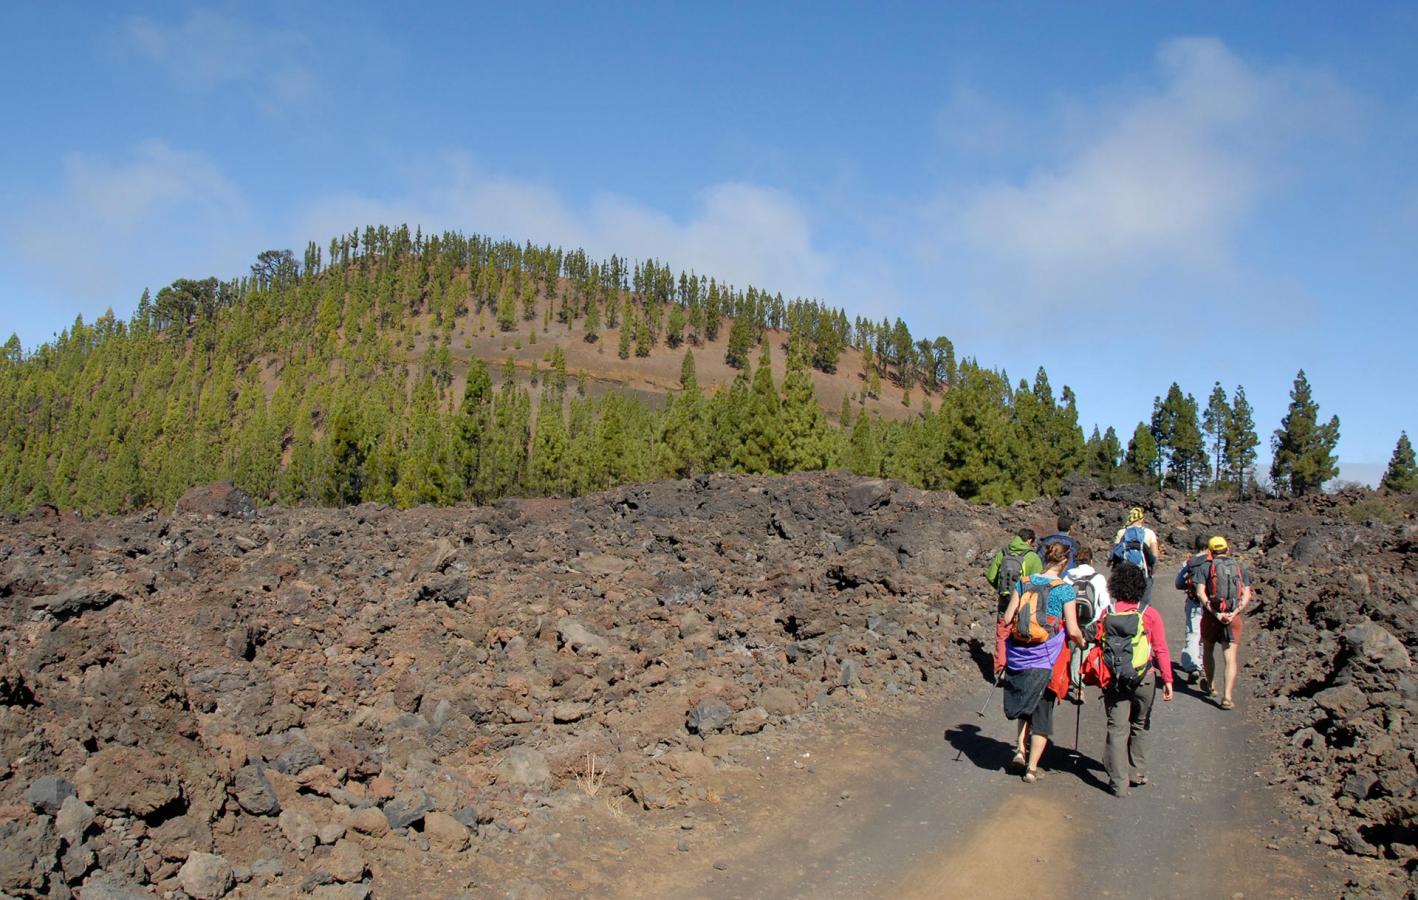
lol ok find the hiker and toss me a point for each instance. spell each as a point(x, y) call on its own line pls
point(1193, 570)
point(1093, 601)
point(1224, 594)
point(1136, 544)
point(1009, 565)
point(1062, 537)
point(1042, 617)
point(1134, 644)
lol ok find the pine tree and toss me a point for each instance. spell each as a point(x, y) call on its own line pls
point(471, 424)
point(727, 417)
point(347, 452)
point(760, 448)
point(1240, 441)
point(827, 344)
point(1104, 455)
point(862, 455)
point(969, 445)
point(682, 434)
point(1216, 423)
point(1141, 462)
point(548, 467)
point(623, 347)
point(592, 325)
point(945, 360)
point(674, 331)
point(804, 428)
point(504, 456)
point(1303, 449)
point(713, 312)
point(740, 342)
point(1177, 434)
point(1401, 477)
point(507, 312)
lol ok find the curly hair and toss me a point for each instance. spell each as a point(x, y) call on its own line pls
point(1127, 583)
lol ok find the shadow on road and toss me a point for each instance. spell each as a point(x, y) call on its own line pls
point(992, 754)
point(981, 749)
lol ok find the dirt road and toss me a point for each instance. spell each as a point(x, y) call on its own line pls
point(890, 811)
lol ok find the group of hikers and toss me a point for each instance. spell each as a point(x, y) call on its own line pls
point(1063, 625)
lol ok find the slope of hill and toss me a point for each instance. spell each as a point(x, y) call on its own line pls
point(409, 370)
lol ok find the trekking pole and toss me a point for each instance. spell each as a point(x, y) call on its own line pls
point(981, 713)
point(1077, 719)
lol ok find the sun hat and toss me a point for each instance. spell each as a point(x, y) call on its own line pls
point(1217, 544)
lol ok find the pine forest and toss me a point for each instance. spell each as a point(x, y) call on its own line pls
point(348, 376)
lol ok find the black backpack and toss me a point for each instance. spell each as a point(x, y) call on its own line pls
point(1198, 570)
point(1224, 583)
point(1087, 607)
point(1011, 569)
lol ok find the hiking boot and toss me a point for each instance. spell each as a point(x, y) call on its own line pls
point(1138, 780)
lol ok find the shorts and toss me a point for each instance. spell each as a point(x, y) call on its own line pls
point(1027, 697)
point(1213, 632)
point(1041, 722)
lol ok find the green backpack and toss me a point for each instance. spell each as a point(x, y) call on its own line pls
point(1127, 650)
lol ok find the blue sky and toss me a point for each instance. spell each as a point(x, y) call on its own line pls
point(1128, 194)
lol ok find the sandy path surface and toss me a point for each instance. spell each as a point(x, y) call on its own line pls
point(888, 810)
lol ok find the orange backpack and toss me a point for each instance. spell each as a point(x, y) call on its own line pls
point(1032, 623)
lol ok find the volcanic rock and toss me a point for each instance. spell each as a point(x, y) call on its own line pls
point(206, 876)
point(222, 499)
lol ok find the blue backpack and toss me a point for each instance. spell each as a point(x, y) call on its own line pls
point(1132, 549)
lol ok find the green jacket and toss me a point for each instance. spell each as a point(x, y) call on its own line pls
point(1033, 565)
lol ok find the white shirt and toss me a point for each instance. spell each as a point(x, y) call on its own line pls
point(1100, 588)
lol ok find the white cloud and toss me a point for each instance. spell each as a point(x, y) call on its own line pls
point(1158, 183)
point(114, 227)
point(208, 49)
point(747, 233)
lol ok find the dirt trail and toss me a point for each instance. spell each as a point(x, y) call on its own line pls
point(890, 812)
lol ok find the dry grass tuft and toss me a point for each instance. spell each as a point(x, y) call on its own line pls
point(591, 779)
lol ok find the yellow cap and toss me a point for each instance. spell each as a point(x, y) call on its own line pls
point(1217, 544)
point(1135, 515)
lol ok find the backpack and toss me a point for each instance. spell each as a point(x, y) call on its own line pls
point(1127, 649)
point(1197, 569)
point(1087, 598)
point(1132, 549)
point(1224, 583)
point(1032, 623)
point(1011, 569)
